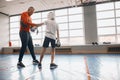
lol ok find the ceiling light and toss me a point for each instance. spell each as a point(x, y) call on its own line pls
point(9, 0)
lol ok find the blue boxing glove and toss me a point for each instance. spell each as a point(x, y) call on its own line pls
point(33, 29)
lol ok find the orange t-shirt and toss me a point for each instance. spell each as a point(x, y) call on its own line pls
point(26, 22)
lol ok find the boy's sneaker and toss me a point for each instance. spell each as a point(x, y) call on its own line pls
point(53, 65)
point(35, 62)
point(20, 65)
point(39, 65)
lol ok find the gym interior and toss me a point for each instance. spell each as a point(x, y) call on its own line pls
point(89, 33)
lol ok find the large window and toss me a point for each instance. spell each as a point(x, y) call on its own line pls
point(14, 30)
point(76, 33)
point(108, 22)
point(71, 26)
point(70, 21)
point(37, 38)
point(117, 11)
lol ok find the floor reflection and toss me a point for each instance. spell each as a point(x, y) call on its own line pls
point(21, 75)
point(70, 67)
point(54, 74)
point(93, 63)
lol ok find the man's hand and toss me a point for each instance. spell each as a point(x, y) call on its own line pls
point(33, 29)
point(38, 25)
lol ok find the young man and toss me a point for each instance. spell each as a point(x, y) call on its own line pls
point(25, 36)
point(50, 37)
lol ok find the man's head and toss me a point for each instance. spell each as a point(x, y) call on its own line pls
point(51, 16)
point(30, 11)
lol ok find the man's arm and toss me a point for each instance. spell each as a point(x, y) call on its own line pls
point(25, 20)
point(39, 25)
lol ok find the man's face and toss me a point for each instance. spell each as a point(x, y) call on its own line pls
point(30, 12)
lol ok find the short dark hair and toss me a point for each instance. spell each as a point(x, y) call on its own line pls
point(31, 8)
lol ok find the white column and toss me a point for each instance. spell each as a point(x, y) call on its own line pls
point(90, 23)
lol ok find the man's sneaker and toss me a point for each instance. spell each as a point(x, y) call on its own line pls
point(20, 65)
point(39, 65)
point(53, 65)
point(35, 62)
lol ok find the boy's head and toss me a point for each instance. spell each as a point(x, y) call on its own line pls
point(51, 16)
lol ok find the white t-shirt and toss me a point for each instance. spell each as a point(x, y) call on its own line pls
point(51, 28)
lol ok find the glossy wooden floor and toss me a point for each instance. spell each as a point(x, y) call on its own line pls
point(71, 67)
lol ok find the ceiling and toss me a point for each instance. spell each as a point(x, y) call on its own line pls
point(17, 6)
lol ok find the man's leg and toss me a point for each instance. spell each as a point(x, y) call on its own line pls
point(24, 41)
point(31, 48)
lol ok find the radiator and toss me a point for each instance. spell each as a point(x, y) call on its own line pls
point(114, 49)
point(64, 50)
point(18, 50)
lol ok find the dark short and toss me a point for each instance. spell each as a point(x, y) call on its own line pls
point(47, 41)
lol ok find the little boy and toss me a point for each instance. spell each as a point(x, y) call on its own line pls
point(50, 37)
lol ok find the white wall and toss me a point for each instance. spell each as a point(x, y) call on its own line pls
point(4, 30)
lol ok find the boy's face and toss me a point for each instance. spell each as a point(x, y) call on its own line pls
point(51, 16)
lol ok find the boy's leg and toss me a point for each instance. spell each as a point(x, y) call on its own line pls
point(53, 50)
point(53, 65)
point(42, 54)
point(41, 57)
point(45, 45)
point(52, 55)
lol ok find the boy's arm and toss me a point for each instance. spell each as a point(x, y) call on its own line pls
point(58, 35)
